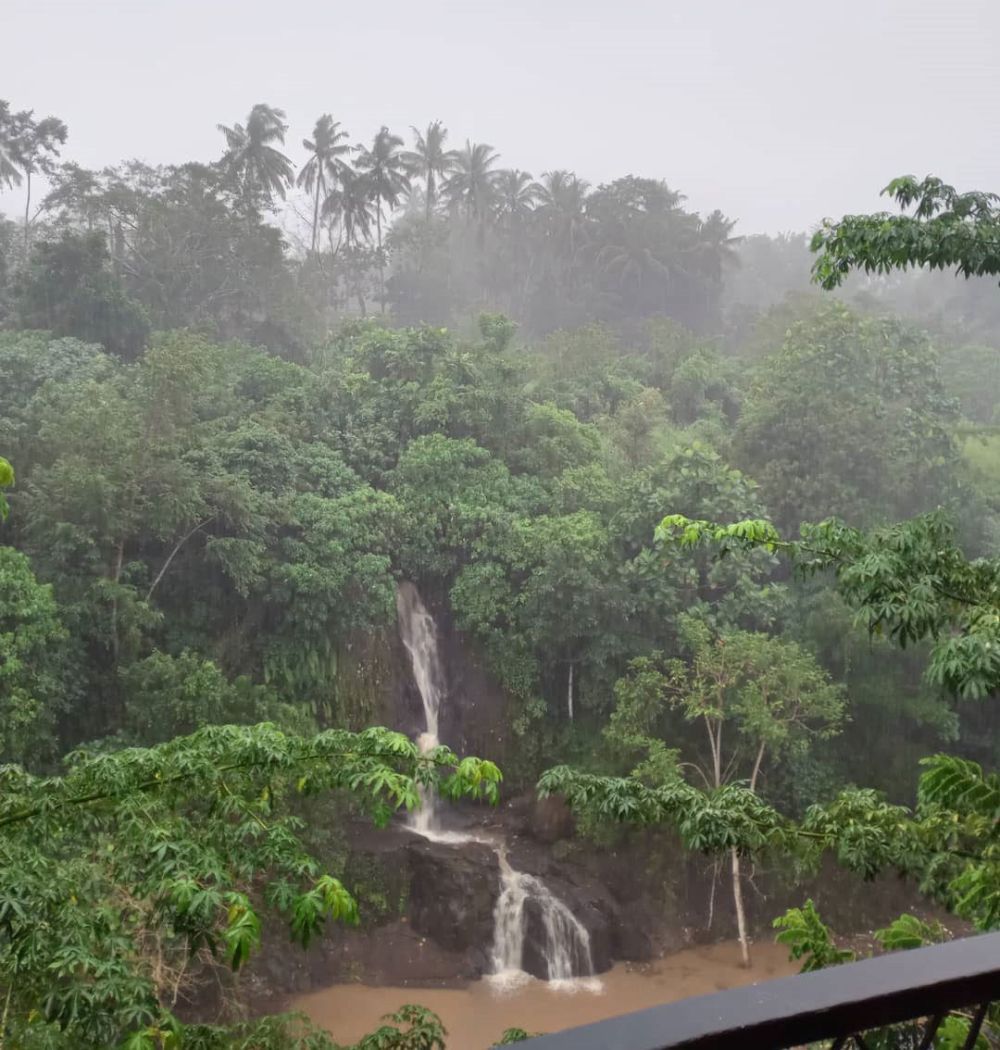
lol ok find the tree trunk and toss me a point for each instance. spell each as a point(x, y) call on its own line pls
point(741, 919)
point(569, 693)
point(6, 1012)
point(756, 767)
point(173, 554)
point(116, 576)
point(315, 217)
point(27, 205)
point(381, 275)
point(118, 250)
point(711, 898)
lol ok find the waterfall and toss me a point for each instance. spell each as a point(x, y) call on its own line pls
point(419, 635)
point(565, 946)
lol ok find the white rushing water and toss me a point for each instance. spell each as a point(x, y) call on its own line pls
point(566, 944)
point(566, 947)
point(419, 634)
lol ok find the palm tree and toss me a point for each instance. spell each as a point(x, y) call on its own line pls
point(716, 247)
point(322, 170)
point(632, 262)
point(385, 173)
point(350, 206)
point(387, 180)
point(516, 196)
point(562, 204)
point(472, 183)
point(251, 157)
point(430, 161)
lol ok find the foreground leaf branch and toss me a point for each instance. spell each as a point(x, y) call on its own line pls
point(180, 845)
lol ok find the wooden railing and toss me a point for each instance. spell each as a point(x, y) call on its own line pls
point(832, 1007)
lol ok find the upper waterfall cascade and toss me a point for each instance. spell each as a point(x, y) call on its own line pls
point(419, 634)
point(565, 946)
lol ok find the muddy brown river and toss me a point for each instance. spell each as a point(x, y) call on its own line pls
point(475, 1016)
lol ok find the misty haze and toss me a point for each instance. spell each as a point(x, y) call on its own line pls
point(499, 525)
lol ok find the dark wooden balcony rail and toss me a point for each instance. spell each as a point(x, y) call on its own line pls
point(833, 1007)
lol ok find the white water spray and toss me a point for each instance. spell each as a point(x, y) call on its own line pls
point(566, 944)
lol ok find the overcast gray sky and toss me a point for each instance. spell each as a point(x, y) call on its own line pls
point(776, 111)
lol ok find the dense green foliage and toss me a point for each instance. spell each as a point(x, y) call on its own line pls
point(214, 500)
point(224, 468)
point(850, 419)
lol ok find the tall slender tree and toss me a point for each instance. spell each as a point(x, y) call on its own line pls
point(563, 228)
point(350, 208)
point(37, 146)
point(716, 245)
point(387, 178)
point(562, 198)
point(322, 171)
point(430, 161)
point(252, 158)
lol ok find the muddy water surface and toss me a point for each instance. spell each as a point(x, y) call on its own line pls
point(476, 1015)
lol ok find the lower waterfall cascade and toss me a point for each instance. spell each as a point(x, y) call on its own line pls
point(567, 942)
point(566, 946)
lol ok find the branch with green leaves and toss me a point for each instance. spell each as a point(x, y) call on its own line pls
point(909, 580)
point(946, 230)
point(143, 862)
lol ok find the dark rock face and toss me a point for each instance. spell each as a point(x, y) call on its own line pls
point(533, 959)
point(474, 717)
point(453, 891)
point(550, 819)
point(375, 683)
point(448, 893)
point(394, 954)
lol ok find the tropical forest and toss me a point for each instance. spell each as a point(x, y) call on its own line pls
point(442, 603)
